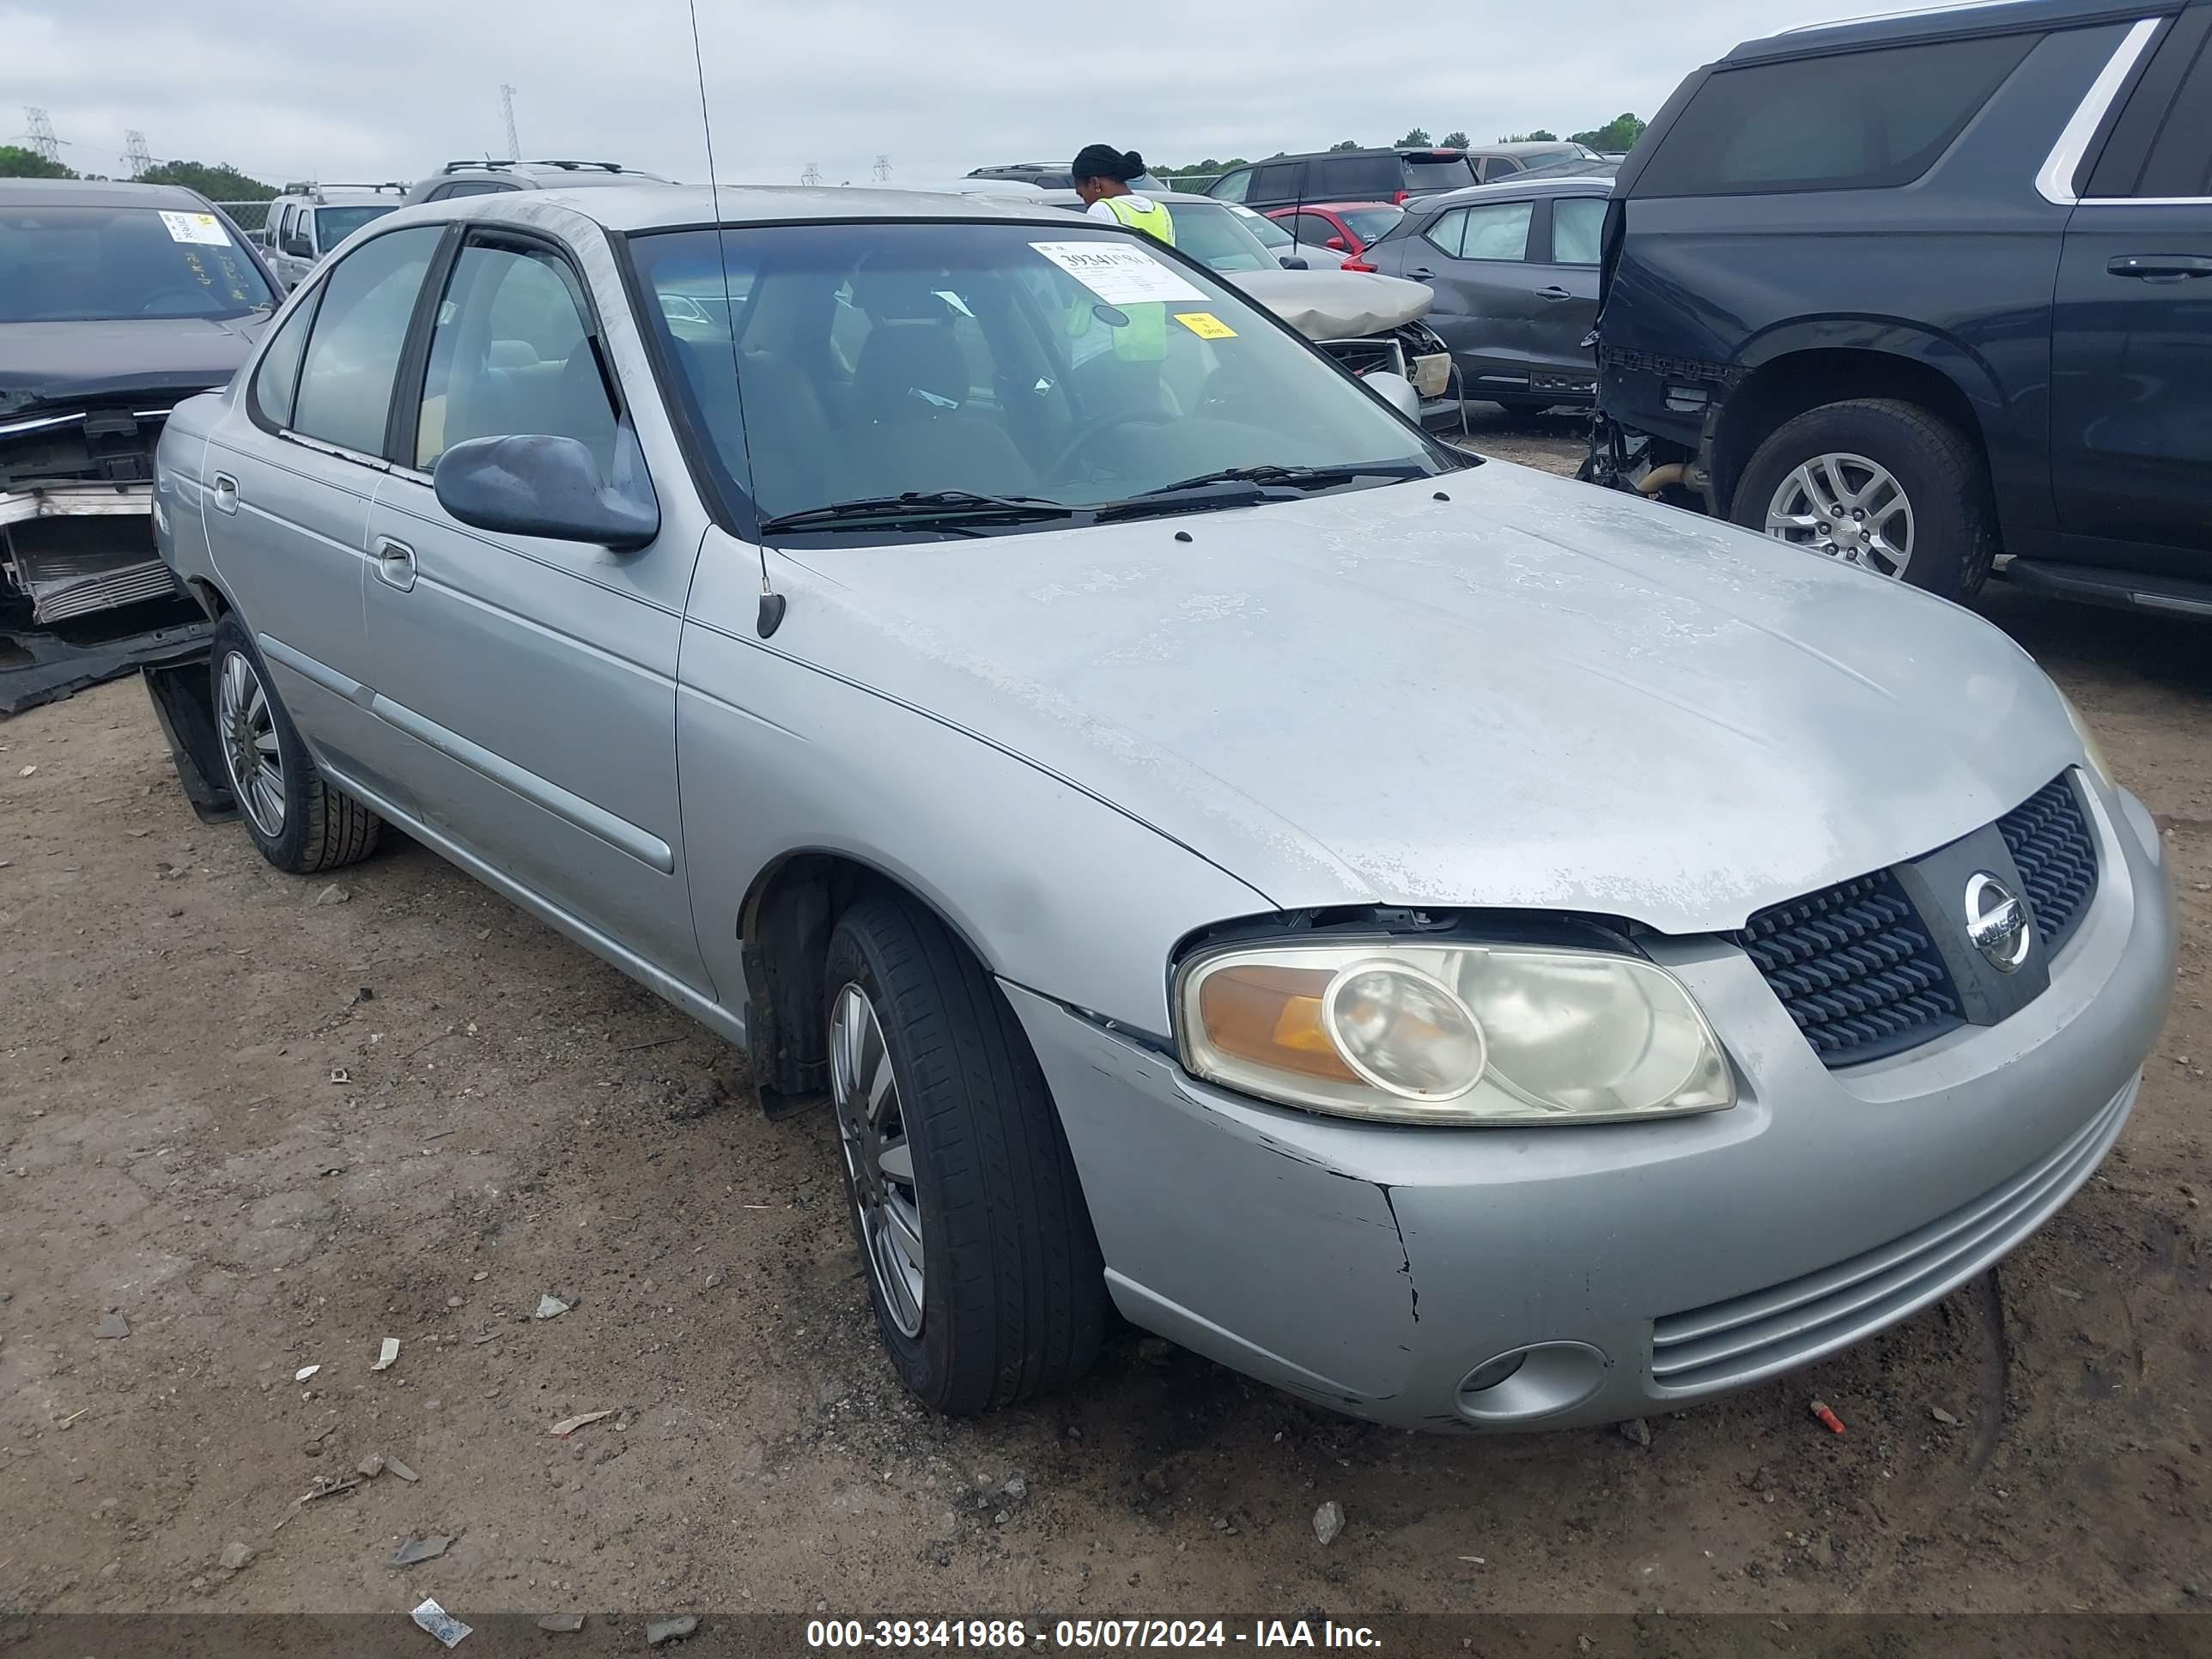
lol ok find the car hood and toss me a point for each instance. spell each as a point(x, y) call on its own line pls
point(48, 364)
point(1536, 694)
point(1336, 305)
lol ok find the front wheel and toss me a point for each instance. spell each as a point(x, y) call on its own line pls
point(1877, 482)
point(983, 1270)
point(300, 823)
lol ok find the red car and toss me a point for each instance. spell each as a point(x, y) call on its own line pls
point(1349, 227)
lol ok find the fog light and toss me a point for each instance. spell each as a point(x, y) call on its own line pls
point(1495, 1371)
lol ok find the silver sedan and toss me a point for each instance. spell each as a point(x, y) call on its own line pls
point(1473, 949)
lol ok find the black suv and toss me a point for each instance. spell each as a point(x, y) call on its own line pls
point(1345, 175)
point(1924, 289)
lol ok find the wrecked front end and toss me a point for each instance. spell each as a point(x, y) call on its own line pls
point(1657, 420)
point(83, 593)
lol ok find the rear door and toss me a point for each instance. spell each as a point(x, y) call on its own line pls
point(1276, 184)
point(1476, 259)
point(2131, 333)
point(292, 469)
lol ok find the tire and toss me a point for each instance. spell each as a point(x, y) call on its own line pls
point(1012, 1301)
point(301, 824)
point(1952, 523)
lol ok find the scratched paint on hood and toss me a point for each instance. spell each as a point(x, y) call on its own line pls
point(1535, 694)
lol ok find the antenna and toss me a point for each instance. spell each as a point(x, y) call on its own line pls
point(882, 169)
point(42, 134)
point(136, 156)
point(506, 108)
point(811, 174)
point(771, 602)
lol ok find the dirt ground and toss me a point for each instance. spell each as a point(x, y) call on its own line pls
point(261, 1130)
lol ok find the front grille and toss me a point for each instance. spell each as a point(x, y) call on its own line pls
point(1758, 1334)
point(2048, 835)
point(1855, 969)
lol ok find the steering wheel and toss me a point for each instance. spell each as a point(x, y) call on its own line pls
point(1099, 424)
point(198, 300)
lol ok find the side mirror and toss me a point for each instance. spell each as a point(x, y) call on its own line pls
point(1396, 391)
point(1291, 262)
point(1336, 242)
point(539, 485)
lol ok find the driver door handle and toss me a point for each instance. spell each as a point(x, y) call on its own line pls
point(395, 564)
point(2161, 267)
point(1420, 273)
point(224, 487)
point(1554, 293)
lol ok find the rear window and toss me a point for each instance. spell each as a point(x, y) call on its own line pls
point(1843, 121)
point(1352, 176)
point(1430, 173)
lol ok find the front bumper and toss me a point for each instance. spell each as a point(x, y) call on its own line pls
point(1641, 1267)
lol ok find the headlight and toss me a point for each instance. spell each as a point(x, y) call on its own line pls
point(1435, 1033)
point(2095, 756)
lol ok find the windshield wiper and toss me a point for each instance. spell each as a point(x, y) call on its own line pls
point(1291, 477)
point(921, 507)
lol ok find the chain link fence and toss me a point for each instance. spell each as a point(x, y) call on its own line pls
point(246, 215)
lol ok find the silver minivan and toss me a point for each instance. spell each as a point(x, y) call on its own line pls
point(1474, 951)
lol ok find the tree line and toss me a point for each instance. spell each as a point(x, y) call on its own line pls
point(218, 183)
point(1617, 135)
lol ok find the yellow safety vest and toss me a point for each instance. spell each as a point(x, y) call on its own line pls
point(1144, 339)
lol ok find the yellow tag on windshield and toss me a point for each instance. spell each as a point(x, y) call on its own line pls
point(1206, 324)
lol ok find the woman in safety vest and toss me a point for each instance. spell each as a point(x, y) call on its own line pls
point(1102, 179)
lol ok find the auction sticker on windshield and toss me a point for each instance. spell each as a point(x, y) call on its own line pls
point(195, 228)
point(1119, 275)
point(1206, 324)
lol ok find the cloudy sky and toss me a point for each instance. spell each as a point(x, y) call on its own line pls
point(390, 90)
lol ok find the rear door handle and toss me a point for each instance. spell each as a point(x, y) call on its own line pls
point(395, 564)
point(1420, 273)
point(1554, 293)
point(224, 487)
point(2161, 267)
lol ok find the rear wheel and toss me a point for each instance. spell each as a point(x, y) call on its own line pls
point(982, 1266)
point(1877, 482)
point(300, 823)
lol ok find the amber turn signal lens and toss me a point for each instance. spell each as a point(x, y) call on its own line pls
point(1272, 1016)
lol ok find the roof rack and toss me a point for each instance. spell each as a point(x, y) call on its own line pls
point(570, 166)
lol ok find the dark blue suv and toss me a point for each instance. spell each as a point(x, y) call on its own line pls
point(1922, 290)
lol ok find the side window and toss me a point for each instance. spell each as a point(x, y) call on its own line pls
point(467, 187)
point(295, 231)
point(345, 384)
point(1352, 176)
point(2158, 145)
point(1495, 167)
point(1232, 187)
point(1847, 121)
point(1313, 230)
point(277, 377)
point(2180, 162)
point(1276, 183)
point(512, 353)
point(1445, 231)
point(1498, 230)
point(1576, 221)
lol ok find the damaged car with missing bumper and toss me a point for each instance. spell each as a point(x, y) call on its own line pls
point(1472, 950)
point(115, 301)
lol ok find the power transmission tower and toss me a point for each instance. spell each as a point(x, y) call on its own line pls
point(812, 175)
point(136, 159)
point(42, 134)
point(882, 169)
point(506, 108)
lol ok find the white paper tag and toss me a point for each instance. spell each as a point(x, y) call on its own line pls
point(1120, 273)
point(195, 228)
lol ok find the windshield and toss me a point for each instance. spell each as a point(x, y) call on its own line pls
point(1215, 234)
point(1009, 359)
point(101, 264)
point(334, 224)
point(1265, 231)
point(1371, 224)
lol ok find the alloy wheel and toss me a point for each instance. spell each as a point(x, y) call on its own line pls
point(872, 1126)
point(1847, 507)
point(246, 723)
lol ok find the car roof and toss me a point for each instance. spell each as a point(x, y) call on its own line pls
point(1593, 183)
point(1528, 147)
point(557, 174)
point(1977, 17)
point(1335, 207)
point(99, 192)
point(343, 194)
point(625, 208)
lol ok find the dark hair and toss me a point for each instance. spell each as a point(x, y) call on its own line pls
point(1105, 161)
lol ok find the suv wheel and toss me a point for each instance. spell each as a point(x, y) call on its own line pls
point(1880, 484)
point(300, 824)
point(983, 1267)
